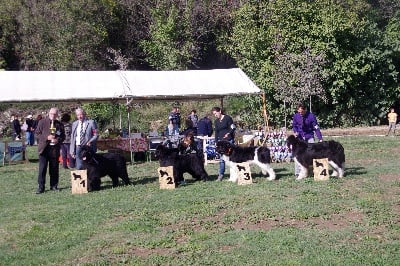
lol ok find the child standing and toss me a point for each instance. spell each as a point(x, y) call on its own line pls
point(392, 117)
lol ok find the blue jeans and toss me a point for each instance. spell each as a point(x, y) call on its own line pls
point(222, 163)
point(29, 138)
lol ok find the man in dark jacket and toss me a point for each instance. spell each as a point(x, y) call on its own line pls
point(50, 134)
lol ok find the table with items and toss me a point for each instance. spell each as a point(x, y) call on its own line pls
point(123, 144)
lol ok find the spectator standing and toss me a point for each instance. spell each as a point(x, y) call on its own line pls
point(16, 128)
point(392, 117)
point(67, 159)
point(173, 121)
point(224, 130)
point(35, 124)
point(50, 133)
point(305, 127)
point(194, 118)
point(29, 133)
point(204, 126)
point(84, 133)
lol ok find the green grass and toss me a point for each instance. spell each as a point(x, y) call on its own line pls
point(349, 221)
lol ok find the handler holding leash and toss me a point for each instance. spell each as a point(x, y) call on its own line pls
point(224, 130)
point(304, 125)
point(84, 132)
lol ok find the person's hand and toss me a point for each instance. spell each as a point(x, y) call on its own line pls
point(320, 140)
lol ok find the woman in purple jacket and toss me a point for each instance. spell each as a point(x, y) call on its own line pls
point(305, 124)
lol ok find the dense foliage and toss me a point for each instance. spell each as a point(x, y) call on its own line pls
point(342, 57)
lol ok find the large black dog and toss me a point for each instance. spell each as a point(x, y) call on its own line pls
point(304, 153)
point(234, 154)
point(100, 165)
point(182, 163)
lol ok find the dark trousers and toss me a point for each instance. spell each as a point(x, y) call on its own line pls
point(49, 157)
point(66, 156)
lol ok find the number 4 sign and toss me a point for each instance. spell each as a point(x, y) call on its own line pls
point(321, 169)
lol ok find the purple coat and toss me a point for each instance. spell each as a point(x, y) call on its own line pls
point(306, 126)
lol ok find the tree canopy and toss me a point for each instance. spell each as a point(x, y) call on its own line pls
point(340, 56)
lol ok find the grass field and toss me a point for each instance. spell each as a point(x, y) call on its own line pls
point(349, 221)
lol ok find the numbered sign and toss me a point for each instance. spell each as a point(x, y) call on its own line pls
point(321, 169)
point(79, 181)
point(244, 174)
point(166, 177)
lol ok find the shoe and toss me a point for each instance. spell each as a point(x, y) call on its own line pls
point(220, 178)
point(54, 189)
point(40, 191)
point(65, 167)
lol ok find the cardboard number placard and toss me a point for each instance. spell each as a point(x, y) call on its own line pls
point(79, 181)
point(321, 169)
point(244, 174)
point(166, 177)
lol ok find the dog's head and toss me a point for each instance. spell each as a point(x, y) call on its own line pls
point(224, 147)
point(295, 144)
point(163, 152)
point(86, 153)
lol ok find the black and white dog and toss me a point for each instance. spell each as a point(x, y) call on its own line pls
point(234, 154)
point(304, 153)
point(182, 163)
point(100, 165)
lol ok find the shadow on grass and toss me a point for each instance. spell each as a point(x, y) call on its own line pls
point(355, 171)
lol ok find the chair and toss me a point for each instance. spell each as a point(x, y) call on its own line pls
point(153, 144)
point(2, 152)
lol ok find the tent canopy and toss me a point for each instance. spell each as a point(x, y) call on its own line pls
point(69, 86)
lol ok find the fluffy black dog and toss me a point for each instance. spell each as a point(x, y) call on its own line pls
point(100, 165)
point(182, 163)
point(234, 154)
point(304, 153)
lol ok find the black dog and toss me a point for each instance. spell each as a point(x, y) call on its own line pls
point(100, 165)
point(182, 163)
point(304, 153)
point(234, 154)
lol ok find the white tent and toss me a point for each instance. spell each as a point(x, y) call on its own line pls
point(60, 86)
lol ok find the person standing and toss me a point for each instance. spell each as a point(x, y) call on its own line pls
point(305, 127)
point(173, 121)
point(204, 126)
point(392, 117)
point(35, 124)
point(224, 130)
point(16, 128)
point(67, 159)
point(84, 133)
point(29, 134)
point(50, 134)
point(194, 118)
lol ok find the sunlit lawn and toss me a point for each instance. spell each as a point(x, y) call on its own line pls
point(349, 221)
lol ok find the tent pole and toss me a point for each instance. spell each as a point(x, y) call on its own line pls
point(129, 129)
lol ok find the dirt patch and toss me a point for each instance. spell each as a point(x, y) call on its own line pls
point(365, 131)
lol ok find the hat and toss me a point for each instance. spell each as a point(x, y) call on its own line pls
point(29, 116)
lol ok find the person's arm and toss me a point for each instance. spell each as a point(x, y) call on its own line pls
point(316, 128)
point(93, 128)
point(297, 125)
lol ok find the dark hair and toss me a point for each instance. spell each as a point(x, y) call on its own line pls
point(216, 109)
point(65, 117)
point(301, 105)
